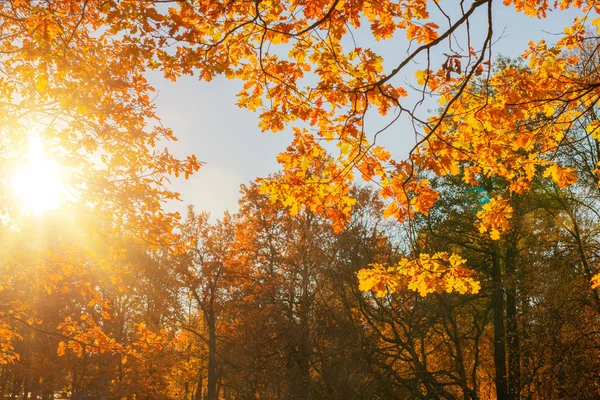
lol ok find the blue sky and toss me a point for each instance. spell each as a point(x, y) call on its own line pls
point(208, 123)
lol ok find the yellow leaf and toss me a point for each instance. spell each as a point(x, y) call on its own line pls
point(595, 281)
point(41, 84)
point(82, 109)
point(421, 76)
point(594, 129)
point(62, 348)
point(596, 23)
point(494, 234)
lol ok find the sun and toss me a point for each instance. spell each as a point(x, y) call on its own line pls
point(38, 185)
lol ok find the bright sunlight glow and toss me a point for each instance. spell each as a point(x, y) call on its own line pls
point(38, 185)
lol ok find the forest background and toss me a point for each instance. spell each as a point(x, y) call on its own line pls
point(463, 266)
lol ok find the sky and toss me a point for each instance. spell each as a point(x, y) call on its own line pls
point(208, 123)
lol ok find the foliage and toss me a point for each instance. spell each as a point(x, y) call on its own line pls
point(111, 297)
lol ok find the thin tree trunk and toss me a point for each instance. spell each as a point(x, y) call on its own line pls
point(583, 257)
point(26, 388)
point(499, 330)
point(4, 382)
point(17, 384)
point(212, 356)
point(460, 363)
point(512, 327)
point(199, 388)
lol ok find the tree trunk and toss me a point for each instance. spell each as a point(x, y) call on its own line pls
point(198, 395)
point(499, 330)
point(583, 257)
point(212, 356)
point(512, 326)
point(4, 382)
point(26, 388)
point(455, 337)
point(303, 388)
point(17, 384)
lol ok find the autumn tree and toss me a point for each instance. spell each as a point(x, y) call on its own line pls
point(204, 280)
point(78, 131)
point(296, 328)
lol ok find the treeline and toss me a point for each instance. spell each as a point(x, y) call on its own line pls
point(262, 304)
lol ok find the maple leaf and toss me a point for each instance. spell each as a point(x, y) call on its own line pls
point(595, 281)
point(562, 176)
point(495, 216)
point(426, 274)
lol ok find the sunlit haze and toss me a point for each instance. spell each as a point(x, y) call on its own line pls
point(38, 185)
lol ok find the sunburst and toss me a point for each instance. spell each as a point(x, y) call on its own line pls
point(38, 184)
